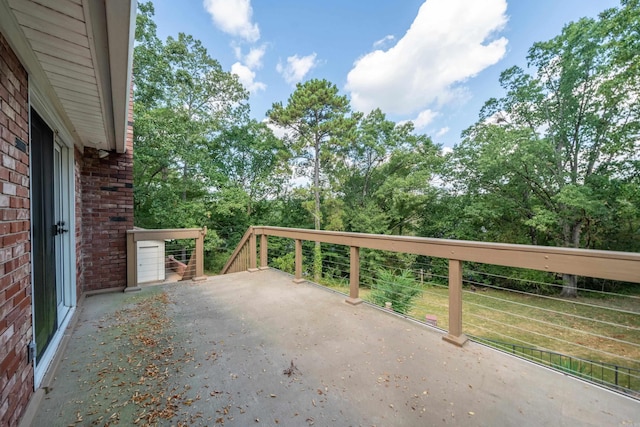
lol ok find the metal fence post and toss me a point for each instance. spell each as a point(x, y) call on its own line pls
point(455, 335)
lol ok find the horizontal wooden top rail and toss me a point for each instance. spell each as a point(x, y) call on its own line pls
point(167, 233)
point(623, 266)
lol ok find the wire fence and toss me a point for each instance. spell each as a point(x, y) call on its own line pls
point(620, 377)
point(595, 336)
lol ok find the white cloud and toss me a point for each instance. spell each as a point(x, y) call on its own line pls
point(424, 118)
point(446, 150)
point(253, 59)
point(237, 50)
point(233, 17)
point(297, 67)
point(443, 131)
point(449, 42)
point(278, 131)
point(383, 41)
point(247, 78)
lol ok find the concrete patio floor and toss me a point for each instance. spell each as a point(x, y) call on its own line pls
point(256, 349)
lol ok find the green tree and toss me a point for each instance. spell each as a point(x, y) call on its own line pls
point(399, 289)
point(191, 118)
point(563, 131)
point(319, 121)
point(182, 101)
point(386, 178)
point(254, 160)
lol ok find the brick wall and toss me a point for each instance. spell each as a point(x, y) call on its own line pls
point(16, 372)
point(107, 213)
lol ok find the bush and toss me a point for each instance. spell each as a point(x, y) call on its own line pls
point(398, 289)
point(285, 263)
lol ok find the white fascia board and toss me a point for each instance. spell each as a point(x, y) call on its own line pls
point(121, 22)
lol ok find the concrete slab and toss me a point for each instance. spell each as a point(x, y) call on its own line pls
point(256, 349)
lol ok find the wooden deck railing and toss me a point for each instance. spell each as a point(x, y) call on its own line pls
point(621, 266)
point(134, 236)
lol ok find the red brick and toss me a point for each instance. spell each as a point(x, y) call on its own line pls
point(16, 379)
point(12, 290)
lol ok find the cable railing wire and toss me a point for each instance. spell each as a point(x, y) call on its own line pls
point(488, 319)
point(555, 325)
point(564, 313)
point(555, 285)
point(517, 291)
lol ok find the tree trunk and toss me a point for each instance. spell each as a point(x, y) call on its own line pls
point(571, 232)
point(569, 286)
point(316, 185)
point(317, 253)
point(317, 263)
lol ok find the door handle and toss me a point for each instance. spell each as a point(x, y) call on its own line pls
point(59, 228)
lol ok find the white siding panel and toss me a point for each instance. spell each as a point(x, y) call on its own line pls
point(79, 98)
point(66, 7)
point(58, 35)
point(55, 30)
point(47, 43)
point(48, 16)
point(65, 64)
point(82, 112)
point(43, 50)
point(65, 72)
point(71, 85)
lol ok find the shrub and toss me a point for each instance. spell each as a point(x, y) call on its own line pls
point(285, 263)
point(398, 289)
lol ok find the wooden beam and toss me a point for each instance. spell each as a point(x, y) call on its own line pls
point(623, 266)
point(455, 335)
point(298, 278)
point(354, 276)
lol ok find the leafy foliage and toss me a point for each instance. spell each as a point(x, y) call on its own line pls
point(560, 135)
point(398, 289)
point(198, 159)
point(318, 120)
point(552, 162)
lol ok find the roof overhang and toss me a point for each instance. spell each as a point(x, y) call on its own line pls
point(78, 54)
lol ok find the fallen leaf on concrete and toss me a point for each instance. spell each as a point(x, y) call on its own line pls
point(292, 369)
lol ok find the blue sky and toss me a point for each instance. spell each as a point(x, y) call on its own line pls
point(434, 62)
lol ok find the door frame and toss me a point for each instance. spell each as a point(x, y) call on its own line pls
point(62, 137)
point(63, 245)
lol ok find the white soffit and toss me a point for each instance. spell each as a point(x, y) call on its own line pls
point(84, 50)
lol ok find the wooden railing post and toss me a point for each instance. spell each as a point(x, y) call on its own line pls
point(252, 252)
point(263, 252)
point(132, 264)
point(298, 278)
point(455, 335)
point(354, 277)
point(200, 256)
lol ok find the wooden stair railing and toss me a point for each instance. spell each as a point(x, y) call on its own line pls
point(240, 259)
